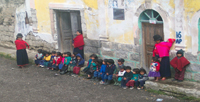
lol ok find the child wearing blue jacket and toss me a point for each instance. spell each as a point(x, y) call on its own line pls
point(109, 71)
point(102, 71)
point(79, 63)
point(97, 71)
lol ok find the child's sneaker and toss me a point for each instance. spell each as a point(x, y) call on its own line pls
point(124, 87)
point(131, 88)
point(101, 82)
point(138, 88)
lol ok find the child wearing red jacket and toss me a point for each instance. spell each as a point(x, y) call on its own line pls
point(179, 63)
point(56, 61)
point(154, 69)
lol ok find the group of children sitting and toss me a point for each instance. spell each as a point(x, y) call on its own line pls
point(103, 70)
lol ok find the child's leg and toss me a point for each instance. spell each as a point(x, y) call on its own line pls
point(177, 73)
point(123, 83)
point(137, 83)
point(181, 74)
point(103, 77)
point(128, 83)
point(156, 78)
point(142, 84)
point(95, 74)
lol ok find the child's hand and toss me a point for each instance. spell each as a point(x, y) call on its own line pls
point(107, 74)
point(65, 65)
point(117, 75)
point(124, 78)
point(56, 64)
point(70, 62)
point(100, 73)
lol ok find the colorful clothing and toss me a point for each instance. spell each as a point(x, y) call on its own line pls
point(154, 70)
point(78, 45)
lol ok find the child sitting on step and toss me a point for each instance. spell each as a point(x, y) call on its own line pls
point(103, 71)
point(109, 71)
point(120, 64)
point(131, 83)
point(66, 62)
point(79, 63)
point(92, 57)
point(38, 57)
point(142, 77)
point(72, 63)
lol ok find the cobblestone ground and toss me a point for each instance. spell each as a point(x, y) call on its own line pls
point(34, 84)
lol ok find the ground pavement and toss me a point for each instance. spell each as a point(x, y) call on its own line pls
point(34, 84)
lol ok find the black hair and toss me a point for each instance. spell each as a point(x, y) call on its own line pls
point(105, 60)
point(44, 52)
point(136, 70)
point(94, 55)
point(155, 59)
point(143, 70)
point(59, 54)
point(80, 31)
point(128, 67)
point(39, 50)
point(111, 61)
point(47, 53)
point(53, 52)
point(121, 60)
point(75, 53)
point(100, 62)
point(69, 54)
point(95, 60)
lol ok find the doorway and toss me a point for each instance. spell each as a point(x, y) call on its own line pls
point(68, 22)
point(152, 24)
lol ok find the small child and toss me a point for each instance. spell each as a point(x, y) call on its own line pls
point(62, 62)
point(53, 56)
point(131, 83)
point(154, 69)
point(120, 75)
point(66, 62)
point(38, 57)
point(109, 71)
point(57, 61)
point(79, 63)
point(92, 57)
point(142, 77)
point(46, 59)
point(127, 76)
point(93, 67)
point(179, 63)
point(72, 63)
point(97, 71)
point(103, 71)
point(119, 66)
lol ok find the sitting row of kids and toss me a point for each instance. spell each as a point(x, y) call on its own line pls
point(65, 62)
point(105, 70)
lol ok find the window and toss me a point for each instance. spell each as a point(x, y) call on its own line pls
point(118, 14)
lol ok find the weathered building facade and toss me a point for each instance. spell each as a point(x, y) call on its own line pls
point(112, 28)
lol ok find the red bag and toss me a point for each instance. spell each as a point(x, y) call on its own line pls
point(76, 70)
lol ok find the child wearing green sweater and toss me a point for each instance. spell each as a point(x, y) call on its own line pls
point(131, 83)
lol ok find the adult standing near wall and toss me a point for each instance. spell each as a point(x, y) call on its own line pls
point(79, 43)
point(161, 50)
point(21, 45)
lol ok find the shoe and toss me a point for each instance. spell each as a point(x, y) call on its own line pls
point(179, 80)
point(115, 84)
point(131, 88)
point(101, 82)
point(124, 87)
point(174, 79)
point(138, 88)
point(62, 72)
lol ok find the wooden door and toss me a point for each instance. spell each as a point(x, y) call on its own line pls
point(66, 32)
point(149, 30)
point(75, 22)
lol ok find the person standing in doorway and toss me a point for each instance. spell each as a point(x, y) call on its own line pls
point(79, 43)
point(161, 50)
point(21, 45)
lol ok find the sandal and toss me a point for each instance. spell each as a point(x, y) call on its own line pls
point(163, 79)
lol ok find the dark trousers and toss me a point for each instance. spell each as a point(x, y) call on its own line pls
point(64, 68)
point(141, 83)
point(179, 75)
point(123, 82)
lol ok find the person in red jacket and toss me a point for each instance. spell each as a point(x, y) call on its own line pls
point(56, 61)
point(179, 63)
point(154, 69)
point(78, 43)
point(21, 45)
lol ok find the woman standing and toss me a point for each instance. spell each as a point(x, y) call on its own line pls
point(161, 50)
point(22, 57)
point(79, 43)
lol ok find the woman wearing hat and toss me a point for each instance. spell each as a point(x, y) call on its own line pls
point(22, 57)
point(161, 50)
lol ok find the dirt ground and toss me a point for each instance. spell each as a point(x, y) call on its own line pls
point(34, 84)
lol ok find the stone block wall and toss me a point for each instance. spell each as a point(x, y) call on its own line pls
point(7, 21)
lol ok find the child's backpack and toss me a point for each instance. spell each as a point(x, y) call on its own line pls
point(76, 70)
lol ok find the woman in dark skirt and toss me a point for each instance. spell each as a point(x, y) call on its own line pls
point(161, 50)
point(79, 43)
point(22, 57)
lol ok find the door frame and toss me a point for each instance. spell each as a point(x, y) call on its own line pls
point(141, 40)
point(53, 8)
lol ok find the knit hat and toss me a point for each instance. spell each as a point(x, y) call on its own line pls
point(19, 35)
point(157, 37)
point(121, 60)
point(180, 52)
